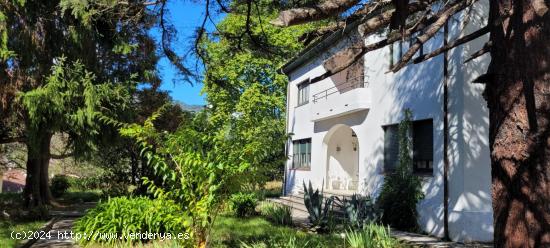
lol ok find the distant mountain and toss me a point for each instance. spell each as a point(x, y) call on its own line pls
point(189, 107)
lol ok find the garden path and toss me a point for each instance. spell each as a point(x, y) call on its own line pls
point(60, 227)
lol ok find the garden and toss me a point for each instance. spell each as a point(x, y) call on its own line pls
point(84, 116)
point(196, 197)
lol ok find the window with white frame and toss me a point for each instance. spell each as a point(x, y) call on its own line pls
point(303, 93)
point(301, 155)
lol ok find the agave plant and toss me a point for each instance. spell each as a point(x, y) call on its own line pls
point(361, 210)
point(317, 207)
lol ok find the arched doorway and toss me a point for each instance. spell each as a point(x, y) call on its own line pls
point(342, 159)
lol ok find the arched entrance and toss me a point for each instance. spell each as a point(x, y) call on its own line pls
point(342, 158)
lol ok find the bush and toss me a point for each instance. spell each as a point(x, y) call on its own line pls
point(243, 204)
point(59, 185)
point(360, 210)
point(372, 236)
point(85, 183)
point(123, 216)
point(401, 190)
point(276, 213)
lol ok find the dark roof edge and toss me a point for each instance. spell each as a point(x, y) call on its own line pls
point(316, 48)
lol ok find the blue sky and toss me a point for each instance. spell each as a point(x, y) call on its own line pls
point(186, 16)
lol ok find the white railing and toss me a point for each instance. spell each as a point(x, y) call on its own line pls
point(350, 84)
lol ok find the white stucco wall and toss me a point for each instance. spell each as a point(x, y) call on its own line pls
point(419, 88)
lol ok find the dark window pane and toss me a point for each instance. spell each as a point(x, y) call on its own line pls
point(423, 146)
point(391, 148)
point(301, 153)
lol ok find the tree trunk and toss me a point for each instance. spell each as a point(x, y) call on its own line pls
point(518, 97)
point(37, 189)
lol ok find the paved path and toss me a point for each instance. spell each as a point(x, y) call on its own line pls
point(59, 239)
point(300, 219)
point(60, 227)
point(419, 240)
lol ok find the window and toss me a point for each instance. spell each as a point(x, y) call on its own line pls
point(301, 156)
point(412, 40)
point(423, 146)
point(391, 147)
point(303, 93)
point(396, 52)
point(399, 48)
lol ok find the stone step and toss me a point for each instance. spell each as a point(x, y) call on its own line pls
point(298, 204)
point(326, 193)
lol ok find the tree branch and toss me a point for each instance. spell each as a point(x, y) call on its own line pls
point(443, 17)
point(453, 44)
point(345, 58)
point(222, 7)
point(485, 49)
point(61, 156)
point(324, 10)
point(8, 140)
point(166, 38)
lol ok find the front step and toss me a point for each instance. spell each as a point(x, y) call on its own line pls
point(296, 202)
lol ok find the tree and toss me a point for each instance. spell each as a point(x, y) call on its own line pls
point(244, 89)
point(516, 92)
point(70, 102)
point(120, 157)
point(108, 38)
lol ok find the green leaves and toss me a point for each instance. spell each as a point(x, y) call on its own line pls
point(402, 190)
point(72, 101)
point(246, 90)
point(123, 216)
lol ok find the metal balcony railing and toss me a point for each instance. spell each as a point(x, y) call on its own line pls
point(350, 84)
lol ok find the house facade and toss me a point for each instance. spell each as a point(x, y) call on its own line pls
point(343, 130)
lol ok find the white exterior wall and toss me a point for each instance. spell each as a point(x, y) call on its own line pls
point(419, 88)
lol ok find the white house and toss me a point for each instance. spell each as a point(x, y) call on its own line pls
point(343, 129)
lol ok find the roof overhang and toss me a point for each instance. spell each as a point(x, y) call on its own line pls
point(317, 48)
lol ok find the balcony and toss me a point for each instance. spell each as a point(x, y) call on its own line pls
point(342, 99)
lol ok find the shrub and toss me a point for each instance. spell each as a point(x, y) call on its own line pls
point(276, 213)
point(116, 189)
point(243, 204)
point(371, 236)
point(288, 240)
point(319, 211)
point(85, 183)
point(59, 185)
point(401, 190)
point(360, 210)
point(123, 216)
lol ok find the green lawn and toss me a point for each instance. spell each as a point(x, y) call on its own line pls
point(78, 196)
point(8, 226)
point(255, 232)
point(258, 232)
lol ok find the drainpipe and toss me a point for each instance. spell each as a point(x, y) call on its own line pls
point(445, 134)
point(287, 142)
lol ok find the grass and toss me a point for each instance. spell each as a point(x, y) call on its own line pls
point(9, 226)
point(77, 196)
point(258, 232)
point(272, 189)
point(236, 232)
point(12, 204)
